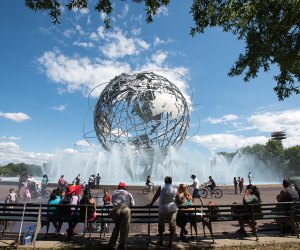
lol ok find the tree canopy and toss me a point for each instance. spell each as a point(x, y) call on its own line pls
point(270, 30)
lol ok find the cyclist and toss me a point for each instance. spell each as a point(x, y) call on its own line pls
point(196, 192)
point(149, 183)
point(211, 184)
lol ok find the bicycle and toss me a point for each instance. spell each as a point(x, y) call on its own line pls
point(148, 190)
point(217, 193)
point(37, 192)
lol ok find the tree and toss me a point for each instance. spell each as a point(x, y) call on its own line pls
point(270, 30)
point(292, 156)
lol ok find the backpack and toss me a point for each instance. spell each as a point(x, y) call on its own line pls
point(214, 210)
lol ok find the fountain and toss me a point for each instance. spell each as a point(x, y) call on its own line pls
point(141, 120)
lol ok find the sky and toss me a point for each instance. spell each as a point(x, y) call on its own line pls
point(48, 72)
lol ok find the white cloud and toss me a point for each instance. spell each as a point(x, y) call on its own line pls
point(118, 45)
point(159, 57)
point(12, 138)
point(10, 152)
point(60, 108)
point(286, 120)
point(163, 10)
point(125, 11)
point(223, 119)
point(84, 44)
point(80, 74)
point(158, 41)
point(17, 117)
point(84, 143)
point(227, 141)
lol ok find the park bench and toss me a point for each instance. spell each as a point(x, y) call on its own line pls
point(38, 215)
point(252, 213)
point(208, 216)
point(150, 216)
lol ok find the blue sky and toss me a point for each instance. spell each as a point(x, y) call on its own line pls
point(48, 71)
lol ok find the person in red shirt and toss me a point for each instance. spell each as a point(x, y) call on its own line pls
point(106, 198)
point(106, 202)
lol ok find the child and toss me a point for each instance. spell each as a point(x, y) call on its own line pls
point(106, 198)
point(27, 195)
point(12, 197)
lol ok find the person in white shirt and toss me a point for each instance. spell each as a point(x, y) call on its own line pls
point(167, 209)
point(196, 192)
point(122, 200)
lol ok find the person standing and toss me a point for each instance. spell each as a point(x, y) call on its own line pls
point(196, 186)
point(167, 209)
point(62, 184)
point(250, 177)
point(235, 183)
point(22, 182)
point(241, 185)
point(78, 179)
point(44, 184)
point(122, 200)
point(98, 179)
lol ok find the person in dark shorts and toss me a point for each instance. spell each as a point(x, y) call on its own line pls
point(196, 192)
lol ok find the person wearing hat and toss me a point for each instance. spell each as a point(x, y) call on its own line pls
point(167, 209)
point(71, 198)
point(196, 192)
point(122, 200)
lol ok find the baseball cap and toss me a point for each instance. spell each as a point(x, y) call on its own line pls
point(122, 185)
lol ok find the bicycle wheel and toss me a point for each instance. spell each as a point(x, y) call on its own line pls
point(218, 193)
point(145, 191)
point(47, 194)
point(203, 193)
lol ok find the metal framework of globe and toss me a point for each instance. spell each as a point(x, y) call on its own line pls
point(142, 110)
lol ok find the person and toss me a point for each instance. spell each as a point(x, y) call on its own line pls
point(98, 179)
point(251, 196)
point(106, 202)
point(106, 198)
point(78, 179)
point(12, 196)
point(250, 177)
point(51, 211)
point(241, 185)
point(27, 195)
point(235, 183)
point(22, 182)
point(287, 194)
point(183, 198)
point(31, 184)
point(44, 184)
point(62, 184)
point(91, 182)
point(71, 198)
point(149, 183)
point(167, 209)
point(122, 200)
point(211, 184)
point(196, 191)
point(88, 200)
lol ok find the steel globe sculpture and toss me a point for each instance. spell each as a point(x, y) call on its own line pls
point(142, 111)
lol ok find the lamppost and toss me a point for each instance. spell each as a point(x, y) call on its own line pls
point(74, 146)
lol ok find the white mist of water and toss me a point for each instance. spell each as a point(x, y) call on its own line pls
point(133, 168)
